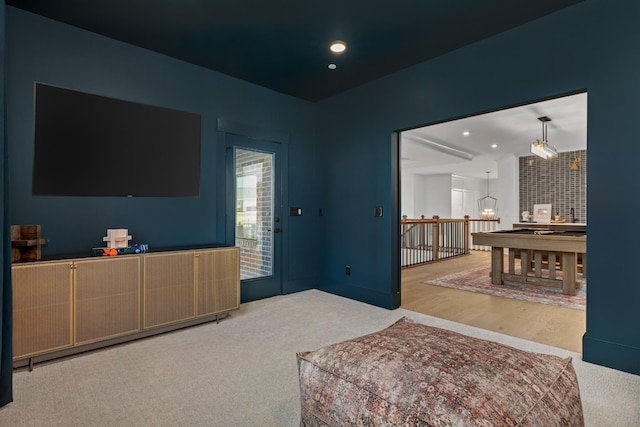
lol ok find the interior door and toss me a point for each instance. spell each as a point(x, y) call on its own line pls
point(254, 219)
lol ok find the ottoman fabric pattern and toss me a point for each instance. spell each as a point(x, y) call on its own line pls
point(416, 375)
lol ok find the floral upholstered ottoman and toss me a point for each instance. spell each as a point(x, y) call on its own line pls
point(411, 374)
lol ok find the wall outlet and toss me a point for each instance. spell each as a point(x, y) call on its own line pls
point(347, 270)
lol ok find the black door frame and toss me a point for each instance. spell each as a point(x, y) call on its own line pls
point(250, 289)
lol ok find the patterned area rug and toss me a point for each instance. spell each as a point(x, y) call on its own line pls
point(478, 280)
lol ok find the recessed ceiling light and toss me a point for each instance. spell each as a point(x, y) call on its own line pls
point(494, 145)
point(338, 46)
point(332, 66)
point(466, 133)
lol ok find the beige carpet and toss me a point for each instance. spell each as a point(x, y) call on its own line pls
point(243, 372)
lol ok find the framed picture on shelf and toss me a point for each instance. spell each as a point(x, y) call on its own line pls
point(542, 213)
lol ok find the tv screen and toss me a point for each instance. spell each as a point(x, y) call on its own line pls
point(91, 145)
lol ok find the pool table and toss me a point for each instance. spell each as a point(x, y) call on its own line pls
point(536, 245)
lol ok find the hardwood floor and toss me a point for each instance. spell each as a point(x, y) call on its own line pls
point(546, 324)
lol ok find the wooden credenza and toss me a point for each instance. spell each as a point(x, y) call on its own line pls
point(69, 306)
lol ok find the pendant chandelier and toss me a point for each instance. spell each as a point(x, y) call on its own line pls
point(488, 206)
point(541, 147)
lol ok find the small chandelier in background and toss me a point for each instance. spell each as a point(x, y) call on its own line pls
point(541, 147)
point(488, 206)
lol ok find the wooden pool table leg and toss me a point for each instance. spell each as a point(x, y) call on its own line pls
point(569, 267)
point(497, 265)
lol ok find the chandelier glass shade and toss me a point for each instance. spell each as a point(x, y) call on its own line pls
point(542, 148)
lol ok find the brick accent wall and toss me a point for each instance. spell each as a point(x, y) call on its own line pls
point(552, 181)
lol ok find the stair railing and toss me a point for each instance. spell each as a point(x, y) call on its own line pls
point(427, 240)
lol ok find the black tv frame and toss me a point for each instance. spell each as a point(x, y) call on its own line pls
point(93, 145)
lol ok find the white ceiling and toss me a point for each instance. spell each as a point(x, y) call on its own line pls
point(513, 130)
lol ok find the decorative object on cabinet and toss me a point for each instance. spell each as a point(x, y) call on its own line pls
point(117, 238)
point(26, 242)
point(133, 249)
point(118, 244)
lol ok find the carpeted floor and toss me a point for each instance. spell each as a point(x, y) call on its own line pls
point(478, 280)
point(243, 371)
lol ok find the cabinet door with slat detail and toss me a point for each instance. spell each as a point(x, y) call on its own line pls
point(42, 308)
point(218, 281)
point(107, 298)
point(169, 288)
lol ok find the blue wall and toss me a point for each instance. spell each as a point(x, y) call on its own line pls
point(594, 46)
point(46, 51)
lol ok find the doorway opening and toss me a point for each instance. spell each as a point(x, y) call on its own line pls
point(460, 153)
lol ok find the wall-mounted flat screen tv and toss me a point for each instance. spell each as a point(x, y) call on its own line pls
point(91, 145)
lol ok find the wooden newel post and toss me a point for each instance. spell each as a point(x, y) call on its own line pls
point(466, 234)
point(436, 238)
point(404, 231)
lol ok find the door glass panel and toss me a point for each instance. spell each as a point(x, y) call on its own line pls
point(254, 212)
